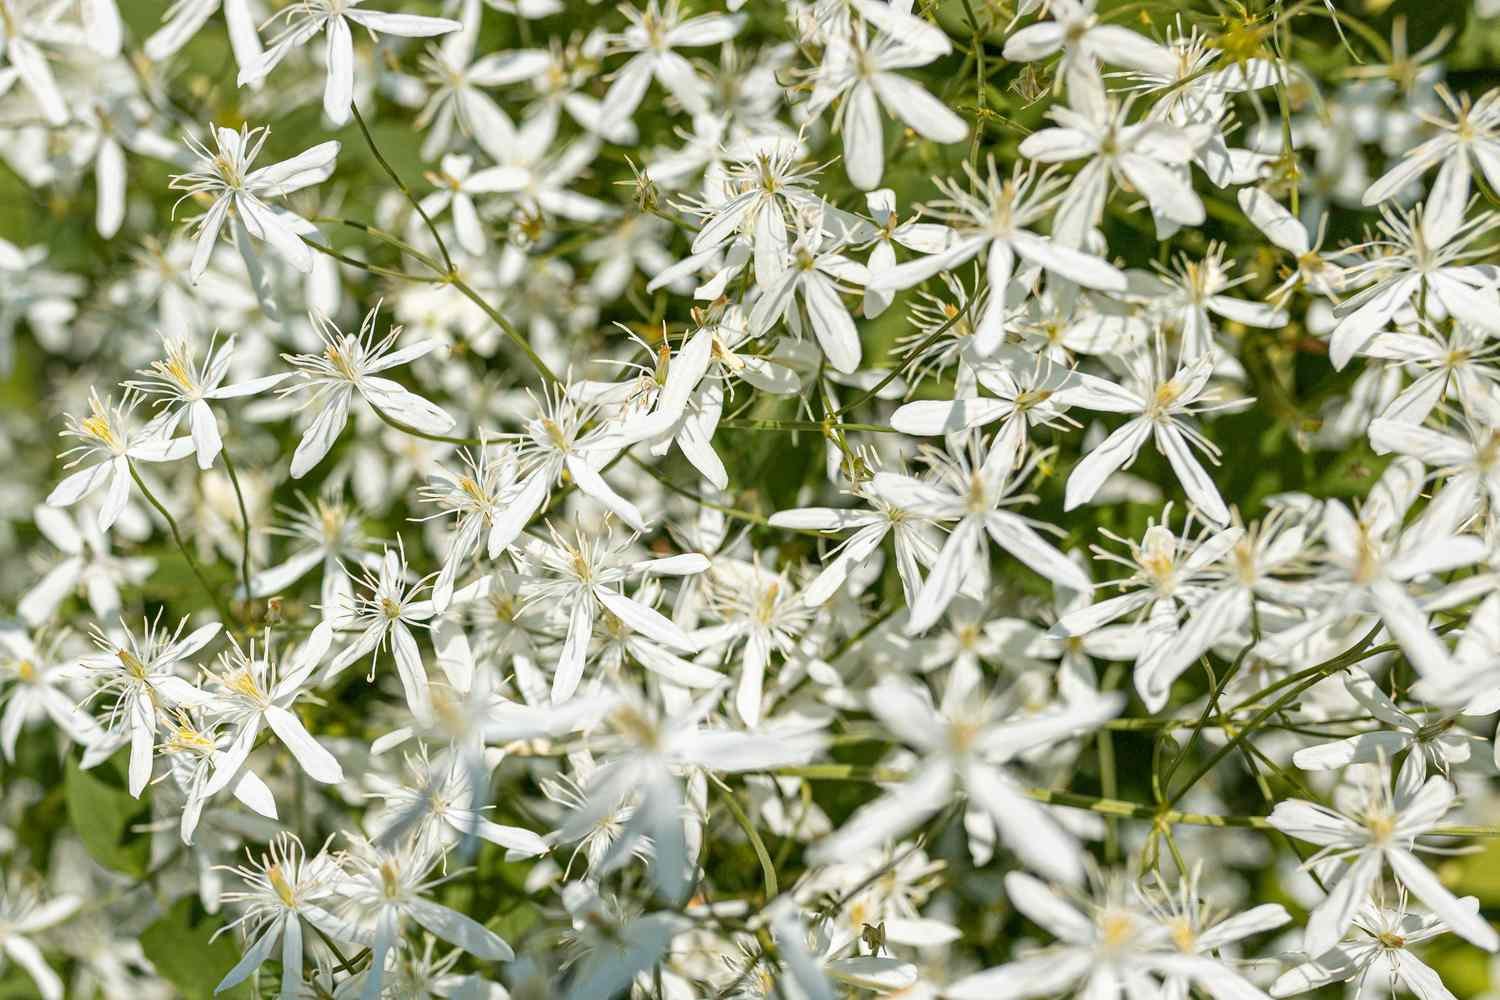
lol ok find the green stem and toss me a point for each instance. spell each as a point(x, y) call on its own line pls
point(239, 497)
point(223, 609)
point(767, 868)
point(396, 178)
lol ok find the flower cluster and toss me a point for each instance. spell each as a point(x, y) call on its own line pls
point(789, 499)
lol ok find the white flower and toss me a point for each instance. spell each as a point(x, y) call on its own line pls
point(139, 680)
point(385, 889)
point(814, 273)
point(439, 804)
point(309, 17)
point(22, 913)
point(27, 27)
point(1416, 255)
point(185, 389)
point(1150, 157)
point(283, 889)
point(1375, 831)
point(386, 618)
point(41, 686)
point(860, 69)
point(183, 18)
point(238, 195)
point(651, 752)
point(975, 491)
point(250, 691)
point(579, 579)
point(347, 367)
point(106, 434)
point(1427, 741)
point(87, 567)
point(1379, 950)
point(996, 219)
point(1085, 42)
point(966, 743)
point(652, 36)
point(1163, 404)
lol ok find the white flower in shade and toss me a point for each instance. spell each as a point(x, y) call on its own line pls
point(1374, 830)
point(816, 272)
point(282, 890)
point(29, 28)
point(238, 195)
point(1162, 405)
point(386, 888)
point(1105, 946)
point(652, 36)
point(106, 434)
point(581, 579)
point(862, 70)
point(477, 494)
point(457, 183)
point(974, 489)
point(1315, 270)
point(966, 743)
point(23, 913)
point(1377, 951)
point(40, 687)
point(646, 752)
point(763, 609)
point(1474, 683)
point(185, 389)
point(350, 365)
point(386, 618)
point(328, 536)
point(139, 679)
point(87, 567)
point(1428, 742)
point(996, 219)
point(253, 691)
point(815, 960)
point(308, 18)
point(457, 78)
point(616, 947)
point(439, 804)
point(1192, 291)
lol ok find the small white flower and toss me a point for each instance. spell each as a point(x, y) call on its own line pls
point(308, 18)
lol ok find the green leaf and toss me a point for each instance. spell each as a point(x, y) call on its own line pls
point(103, 814)
point(179, 946)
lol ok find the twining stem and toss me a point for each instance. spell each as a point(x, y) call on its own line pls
point(239, 497)
point(767, 868)
point(447, 273)
point(187, 554)
point(396, 178)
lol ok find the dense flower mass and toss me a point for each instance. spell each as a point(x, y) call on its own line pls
point(733, 499)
